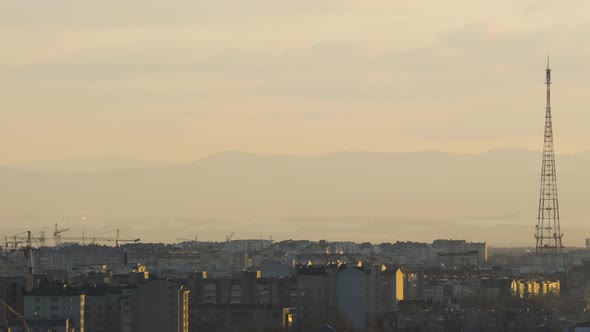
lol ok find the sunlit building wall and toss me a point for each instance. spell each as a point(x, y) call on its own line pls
point(530, 288)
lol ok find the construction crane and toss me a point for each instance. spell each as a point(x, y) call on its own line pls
point(17, 314)
point(42, 239)
point(24, 243)
point(195, 240)
point(228, 237)
point(12, 242)
point(94, 239)
point(28, 250)
point(57, 234)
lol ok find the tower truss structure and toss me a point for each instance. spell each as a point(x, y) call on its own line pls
point(548, 230)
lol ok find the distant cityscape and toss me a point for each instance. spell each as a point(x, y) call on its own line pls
point(293, 285)
point(294, 166)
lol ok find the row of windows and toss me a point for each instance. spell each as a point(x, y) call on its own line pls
point(53, 299)
point(52, 308)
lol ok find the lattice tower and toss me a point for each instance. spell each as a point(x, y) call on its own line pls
point(548, 235)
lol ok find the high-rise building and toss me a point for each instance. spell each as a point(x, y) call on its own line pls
point(56, 301)
point(352, 297)
point(155, 306)
point(102, 309)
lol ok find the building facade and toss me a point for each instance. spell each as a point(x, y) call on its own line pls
point(155, 306)
point(56, 301)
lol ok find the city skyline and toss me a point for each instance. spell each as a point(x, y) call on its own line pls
point(294, 165)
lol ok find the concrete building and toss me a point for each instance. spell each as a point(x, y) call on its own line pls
point(56, 301)
point(102, 309)
point(179, 261)
point(384, 289)
point(461, 247)
point(40, 325)
point(248, 289)
point(527, 288)
point(408, 252)
point(228, 303)
point(246, 245)
point(459, 260)
point(12, 293)
point(446, 291)
point(275, 270)
point(582, 327)
point(76, 259)
point(317, 286)
point(347, 295)
point(155, 306)
point(352, 297)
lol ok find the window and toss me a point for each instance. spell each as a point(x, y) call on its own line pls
point(53, 299)
point(54, 308)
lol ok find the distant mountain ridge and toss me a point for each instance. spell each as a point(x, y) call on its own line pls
point(347, 194)
point(87, 165)
point(102, 164)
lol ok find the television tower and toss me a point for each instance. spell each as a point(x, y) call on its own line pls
point(548, 250)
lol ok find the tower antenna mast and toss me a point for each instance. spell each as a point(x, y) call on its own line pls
point(548, 231)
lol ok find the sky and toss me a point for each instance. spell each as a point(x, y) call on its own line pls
point(177, 80)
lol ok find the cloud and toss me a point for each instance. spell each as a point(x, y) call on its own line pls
point(70, 14)
point(537, 7)
point(404, 75)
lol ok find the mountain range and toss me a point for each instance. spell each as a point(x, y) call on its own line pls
point(358, 196)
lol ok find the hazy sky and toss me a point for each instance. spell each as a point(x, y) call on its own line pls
point(181, 79)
